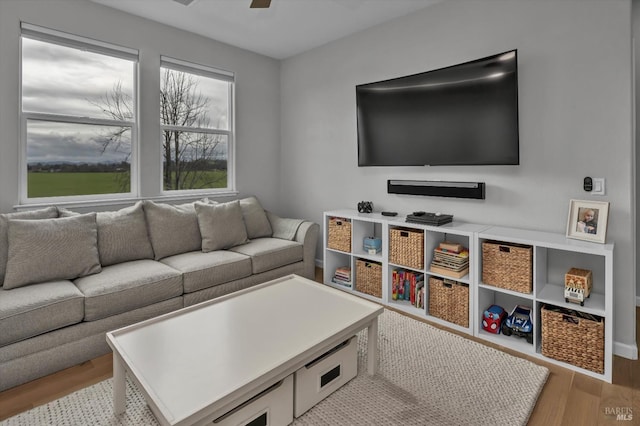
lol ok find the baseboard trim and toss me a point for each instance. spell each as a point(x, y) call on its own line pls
point(625, 351)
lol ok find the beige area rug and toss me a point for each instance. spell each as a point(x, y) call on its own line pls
point(426, 377)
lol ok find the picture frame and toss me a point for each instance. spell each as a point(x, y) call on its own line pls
point(588, 220)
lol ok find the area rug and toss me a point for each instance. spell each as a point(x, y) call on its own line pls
point(426, 376)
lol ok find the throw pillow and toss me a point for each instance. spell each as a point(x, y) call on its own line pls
point(51, 249)
point(46, 213)
point(255, 218)
point(221, 225)
point(173, 229)
point(122, 235)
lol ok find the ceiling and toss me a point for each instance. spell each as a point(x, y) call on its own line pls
point(287, 28)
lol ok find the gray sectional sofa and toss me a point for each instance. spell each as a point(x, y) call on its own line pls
point(68, 278)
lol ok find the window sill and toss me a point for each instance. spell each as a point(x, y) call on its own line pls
point(104, 204)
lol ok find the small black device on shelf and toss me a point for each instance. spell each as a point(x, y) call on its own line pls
point(389, 213)
point(365, 207)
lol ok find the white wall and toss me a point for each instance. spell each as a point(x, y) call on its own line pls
point(575, 119)
point(257, 94)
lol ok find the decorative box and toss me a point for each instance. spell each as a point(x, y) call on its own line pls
point(577, 285)
point(372, 245)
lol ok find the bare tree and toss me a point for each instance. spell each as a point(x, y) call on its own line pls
point(188, 155)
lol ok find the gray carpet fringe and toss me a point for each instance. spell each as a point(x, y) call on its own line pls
point(426, 376)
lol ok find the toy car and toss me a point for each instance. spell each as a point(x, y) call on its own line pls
point(492, 318)
point(519, 323)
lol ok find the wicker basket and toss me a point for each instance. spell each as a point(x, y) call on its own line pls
point(575, 338)
point(507, 266)
point(449, 300)
point(369, 277)
point(339, 236)
point(406, 247)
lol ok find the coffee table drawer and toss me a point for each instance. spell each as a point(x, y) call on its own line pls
point(320, 377)
point(272, 407)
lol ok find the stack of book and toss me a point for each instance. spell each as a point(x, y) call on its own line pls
point(409, 286)
point(450, 259)
point(342, 276)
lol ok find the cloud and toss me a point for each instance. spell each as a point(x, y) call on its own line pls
point(53, 142)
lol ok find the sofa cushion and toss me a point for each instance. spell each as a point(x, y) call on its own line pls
point(122, 235)
point(46, 213)
point(32, 310)
point(271, 253)
point(284, 228)
point(202, 270)
point(221, 225)
point(255, 218)
point(173, 229)
point(127, 286)
point(51, 249)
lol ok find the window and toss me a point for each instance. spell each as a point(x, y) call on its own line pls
point(197, 122)
point(78, 116)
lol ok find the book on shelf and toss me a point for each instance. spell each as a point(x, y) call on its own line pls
point(405, 285)
point(451, 247)
point(337, 280)
point(448, 272)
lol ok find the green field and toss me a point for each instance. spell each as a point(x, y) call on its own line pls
point(65, 184)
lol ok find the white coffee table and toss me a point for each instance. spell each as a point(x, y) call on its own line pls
point(192, 363)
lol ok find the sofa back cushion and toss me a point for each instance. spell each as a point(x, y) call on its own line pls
point(51, 249)
point(221, 225)
point(255, 218)
point(173, 229)
point(122, 235)
point(46, 213)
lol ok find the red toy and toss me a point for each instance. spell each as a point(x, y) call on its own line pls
point(492, 319)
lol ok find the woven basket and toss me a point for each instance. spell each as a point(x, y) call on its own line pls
point(568, 337)
point(449, 300)
point(339, 237)
point(406, 247)
point(369, 277)
point(507, 266)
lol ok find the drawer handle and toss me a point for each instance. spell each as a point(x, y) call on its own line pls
point(404, 233)
point(505, 249)
point(326, 354)
point(329, 376)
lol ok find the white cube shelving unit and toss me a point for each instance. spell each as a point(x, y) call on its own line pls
point(553, 256)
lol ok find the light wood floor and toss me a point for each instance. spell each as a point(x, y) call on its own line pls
point(568, 398)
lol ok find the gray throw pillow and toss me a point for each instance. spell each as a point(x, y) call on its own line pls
point(46, 213)
point(51, 249)
point(255, 218)
point(221, 225)
point(173, 229)
point(122, 235)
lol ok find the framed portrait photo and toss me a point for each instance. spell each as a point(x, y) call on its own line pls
point(588, 220)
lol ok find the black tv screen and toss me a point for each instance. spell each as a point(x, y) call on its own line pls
point(465, 114)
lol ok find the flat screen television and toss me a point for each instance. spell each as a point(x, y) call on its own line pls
point(465, 114)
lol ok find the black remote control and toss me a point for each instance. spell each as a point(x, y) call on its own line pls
point(389, 213)
point(420, 213)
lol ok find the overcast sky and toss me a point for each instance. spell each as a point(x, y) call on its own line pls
point(63, 80)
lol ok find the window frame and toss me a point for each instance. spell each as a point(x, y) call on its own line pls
point(60, 38)
point(209, 72)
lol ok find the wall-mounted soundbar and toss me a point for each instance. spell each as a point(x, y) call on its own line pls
point(437, 188)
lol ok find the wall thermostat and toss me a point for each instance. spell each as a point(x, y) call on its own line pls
point(588, 184)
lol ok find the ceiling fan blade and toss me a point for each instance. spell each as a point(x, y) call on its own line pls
point(260, 4)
